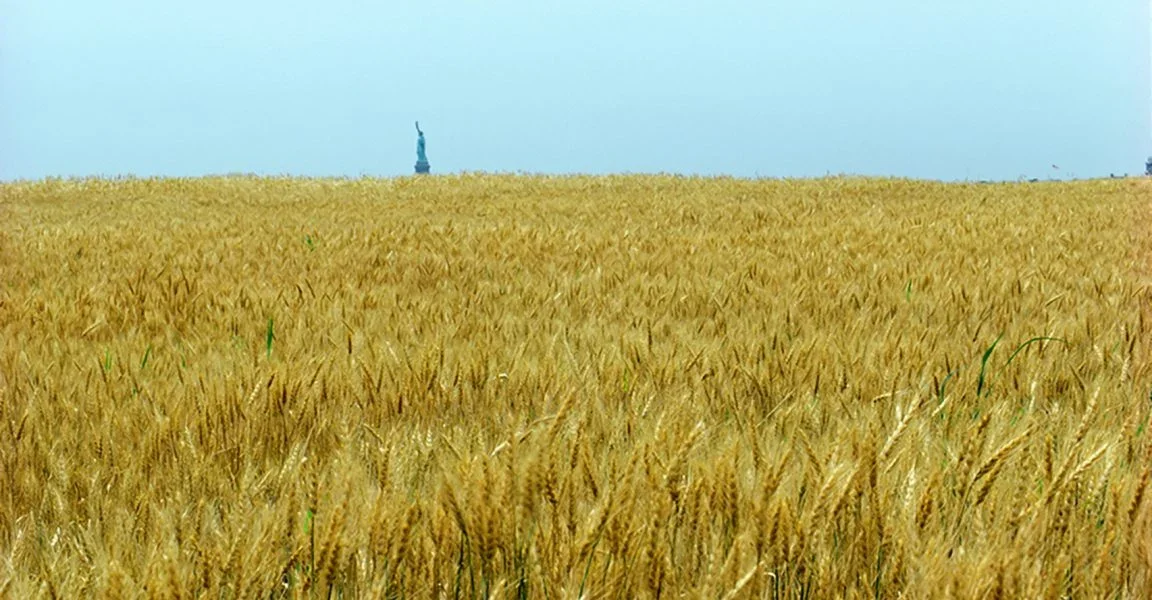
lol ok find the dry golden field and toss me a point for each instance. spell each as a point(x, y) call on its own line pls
point(617, 387)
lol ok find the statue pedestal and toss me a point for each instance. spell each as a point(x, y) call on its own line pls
point(423, 168)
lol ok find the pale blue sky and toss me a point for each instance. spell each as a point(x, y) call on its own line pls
point(982, 89)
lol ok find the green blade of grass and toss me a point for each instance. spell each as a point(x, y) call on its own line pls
point(984, 365)
point(944, 385)
point(1021, 347)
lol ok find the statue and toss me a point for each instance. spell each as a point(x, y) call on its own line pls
point(422, 166)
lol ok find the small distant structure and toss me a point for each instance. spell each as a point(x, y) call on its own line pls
point(422, 166)
point(1148, 167)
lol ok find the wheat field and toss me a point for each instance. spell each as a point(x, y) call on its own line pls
point(496, 386)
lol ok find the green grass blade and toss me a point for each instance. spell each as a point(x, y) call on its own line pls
point(1021, 347)
point(268, 337)
point(984, 365)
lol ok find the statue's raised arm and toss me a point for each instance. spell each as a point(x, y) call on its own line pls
point(418, 128)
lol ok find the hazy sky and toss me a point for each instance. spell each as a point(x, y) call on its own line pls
point(952, 90)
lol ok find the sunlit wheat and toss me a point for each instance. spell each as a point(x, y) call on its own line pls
point(561, 387)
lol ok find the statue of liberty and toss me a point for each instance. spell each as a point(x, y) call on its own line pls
point(422, 166)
